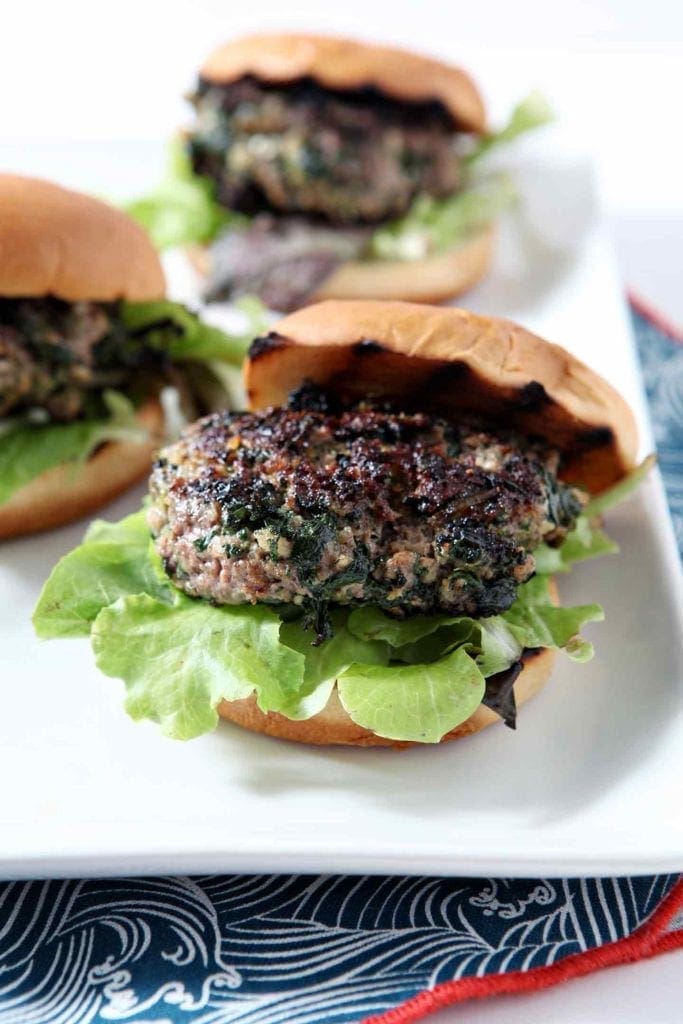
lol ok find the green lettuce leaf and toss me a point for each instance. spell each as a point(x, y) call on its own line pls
point(496, 642)
point(183, 209)
point(190, 338)
point(500, 645)
point(180, 660)
point(113, 561)
point(532, 112)
point(28, 449)
point(257, 316)
point(419, 703)
point(368, 622)
point(586, 540)
point(436, 225)
point(537, 622)
point(615, 495)
point(324, 663)
point(415, 640)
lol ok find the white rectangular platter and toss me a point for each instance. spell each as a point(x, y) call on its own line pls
point(590, 783)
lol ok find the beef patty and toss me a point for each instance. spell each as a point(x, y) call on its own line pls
point(58, 356)
point(348, 157)
point(310, 505)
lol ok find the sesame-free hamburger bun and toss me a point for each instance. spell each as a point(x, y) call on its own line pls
point(348, 65)
point(452, 362)
point(60, 243)
point(54, 241)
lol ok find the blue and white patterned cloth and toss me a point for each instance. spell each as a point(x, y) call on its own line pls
point(275, 949)
point(311, 949)
point(662, 365)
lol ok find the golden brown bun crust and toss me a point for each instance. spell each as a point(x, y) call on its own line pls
point(433, 279)
point(452, 362)
point(57, 242)
point(60, 495)
point(333, 726)
point(348, 64)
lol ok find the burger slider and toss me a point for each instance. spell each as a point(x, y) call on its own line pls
point(366, 555)
point(318, 167)
point(87, 343)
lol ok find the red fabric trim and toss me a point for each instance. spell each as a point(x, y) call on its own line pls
point(648, 940)
point(662, 324)
point(670, 940)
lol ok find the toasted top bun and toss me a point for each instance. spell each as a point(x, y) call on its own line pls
point(347, 64)
point(451, 362)
point(57, 242)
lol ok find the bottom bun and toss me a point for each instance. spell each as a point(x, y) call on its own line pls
point(433, 279)
point(62, 494)
point(333, 725)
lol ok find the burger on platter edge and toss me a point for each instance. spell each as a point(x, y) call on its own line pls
point(366, 556)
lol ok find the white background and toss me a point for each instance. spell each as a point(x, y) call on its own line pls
point(88, 70)
point(82, 69)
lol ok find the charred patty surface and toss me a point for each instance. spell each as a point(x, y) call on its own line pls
point(347, 157)
point(307, 506)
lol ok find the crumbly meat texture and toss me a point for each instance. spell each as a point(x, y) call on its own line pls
point(58, 356)
point(348, 157)
point(308, 506)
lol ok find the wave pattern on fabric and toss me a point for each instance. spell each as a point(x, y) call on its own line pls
point(661, 361)
point(286, 949)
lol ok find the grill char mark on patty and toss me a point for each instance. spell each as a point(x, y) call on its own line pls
point(354, 156)
point(313, 504)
